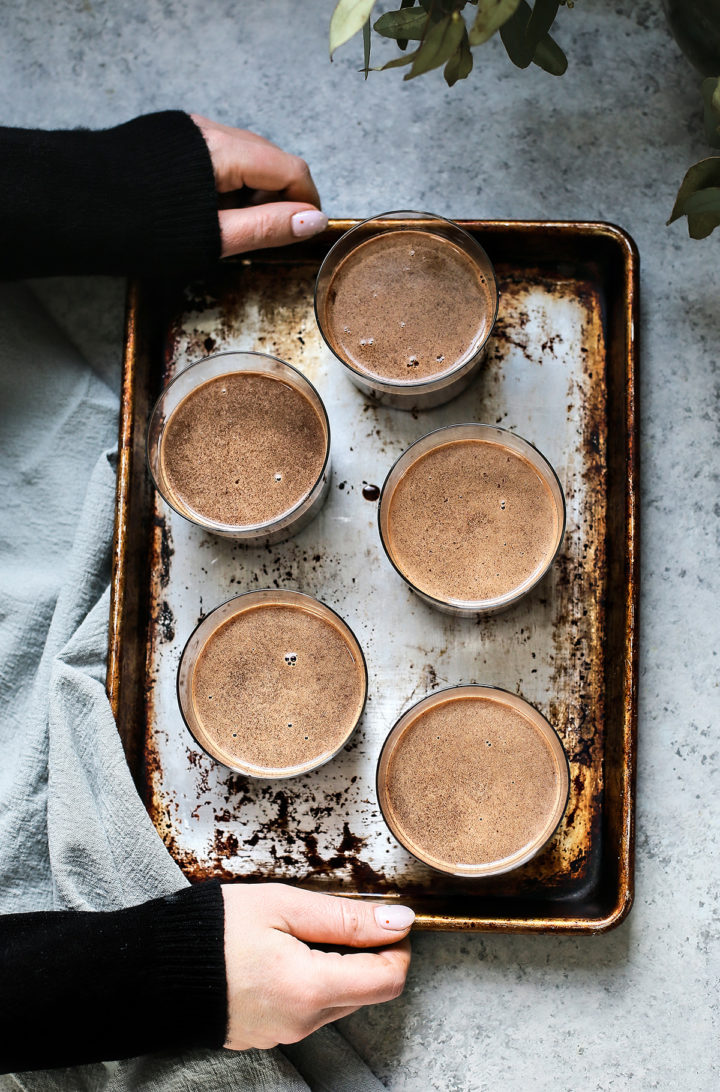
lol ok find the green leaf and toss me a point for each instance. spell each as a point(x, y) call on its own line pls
point(539, 23)
point(512, 33)
point(409, 24)
point(699, 177)
point(399, 62)
point(711, 103)
point(460, 64)
point(703, 212)
point(348, 18)
point(439, 44)
point(491, 15)
point(366, 48)
point(403, 42)
point(550, 57)
point(707, 200)
point(526, 39)
point(715, 100)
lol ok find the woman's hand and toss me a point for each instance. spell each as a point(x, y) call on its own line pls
point(279, 989)
point(285, 203)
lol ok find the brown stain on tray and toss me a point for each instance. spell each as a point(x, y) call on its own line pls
point(570, 866)
point(259, 308)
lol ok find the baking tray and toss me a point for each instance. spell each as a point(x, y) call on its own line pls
point(561, 371)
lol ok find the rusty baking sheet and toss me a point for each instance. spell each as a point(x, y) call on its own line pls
point(561, 371)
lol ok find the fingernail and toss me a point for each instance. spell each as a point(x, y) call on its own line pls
point(305, 224)
point(394, 917)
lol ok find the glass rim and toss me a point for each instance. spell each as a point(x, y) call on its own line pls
point(237, 528)
point(414, 386)
point(293, 594)
point(487, 870)
point(476, 605)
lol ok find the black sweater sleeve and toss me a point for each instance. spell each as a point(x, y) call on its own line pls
point(139, 199)
point(79, 987)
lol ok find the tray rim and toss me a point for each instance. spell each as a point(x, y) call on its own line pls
point(621, 239)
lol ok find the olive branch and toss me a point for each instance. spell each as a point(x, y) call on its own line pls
point(446, 39)
point(699, 194)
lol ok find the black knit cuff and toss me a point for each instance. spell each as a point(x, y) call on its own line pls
point(81, 987)
point(138, 199)
point(166, 196)
point(183, 946)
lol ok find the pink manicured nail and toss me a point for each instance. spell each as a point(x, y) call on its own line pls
point(305, 224)
point(397, 918)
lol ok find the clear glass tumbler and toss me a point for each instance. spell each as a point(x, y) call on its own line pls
point(282, 525)
point(433, 390)
point(475, 790)
point(513, 443)
point(281, 710)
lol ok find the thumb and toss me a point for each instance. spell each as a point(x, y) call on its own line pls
point(329, 919)
point(276, 223)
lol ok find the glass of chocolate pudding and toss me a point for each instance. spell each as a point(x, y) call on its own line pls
point(272, 684)
point(239, 443)
point(472, 517)
point(473, 781)
point(407, 302)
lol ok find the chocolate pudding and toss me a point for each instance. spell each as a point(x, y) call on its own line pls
point(241, 449)
point(473, 782)
point(275, 686)
point(407, 305)
point(471, 520)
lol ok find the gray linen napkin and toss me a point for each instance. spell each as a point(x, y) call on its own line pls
point(73, 831)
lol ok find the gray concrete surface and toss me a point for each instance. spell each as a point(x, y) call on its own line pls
point(611, 140)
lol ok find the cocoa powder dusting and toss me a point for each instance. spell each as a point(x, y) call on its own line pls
point(472, 781)
point(471, 520)
point(407, 305)
point(276, 687)
point(242, 449)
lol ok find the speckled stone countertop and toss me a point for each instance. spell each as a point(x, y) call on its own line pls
point(610, 140)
